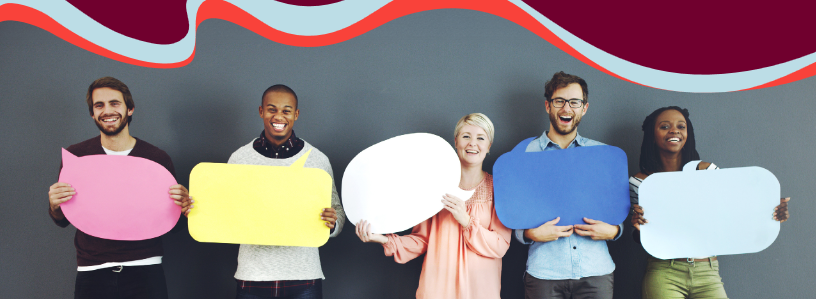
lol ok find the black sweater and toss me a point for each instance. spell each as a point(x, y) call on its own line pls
point(95, 251)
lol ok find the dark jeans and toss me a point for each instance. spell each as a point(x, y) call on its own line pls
point(131, 282)
point(314, 292)
point(595, 287)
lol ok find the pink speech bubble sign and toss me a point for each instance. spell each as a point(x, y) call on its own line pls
point(118, 197)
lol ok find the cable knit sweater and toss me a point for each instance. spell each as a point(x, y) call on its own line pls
point(271, 263)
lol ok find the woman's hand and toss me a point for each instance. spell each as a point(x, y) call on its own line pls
point(363, 229)
point(637, 216)
point(781, 213)
point(457, 208)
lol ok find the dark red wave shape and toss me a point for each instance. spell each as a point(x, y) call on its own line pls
point(309, 2)
point(691, 37)
point(25, 14)
point(153, 21)
point(226, 11)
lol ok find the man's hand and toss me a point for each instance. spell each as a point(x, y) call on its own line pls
point(548, 231)
point(59, 193)
point(781, 213)
point(637, 216)
point(330, 216)
point(363, 230)
point(457, 208)
point(182, 198)
point(597, 230)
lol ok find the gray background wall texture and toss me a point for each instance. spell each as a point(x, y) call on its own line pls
point(419, 73)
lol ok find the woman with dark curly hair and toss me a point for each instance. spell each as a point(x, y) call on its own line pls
point(668, 144)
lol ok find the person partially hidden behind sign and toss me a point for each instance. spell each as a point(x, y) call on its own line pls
point(283, 271)
point(668, 144)
point(464, 243)
point(567, 261)
point(112, 268)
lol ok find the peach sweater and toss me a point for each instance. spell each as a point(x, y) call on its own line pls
point(460, 262)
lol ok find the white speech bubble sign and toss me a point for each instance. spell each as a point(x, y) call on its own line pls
point(705, 213)
point(398, 183)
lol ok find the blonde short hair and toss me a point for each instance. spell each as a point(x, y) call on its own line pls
point(475, 119)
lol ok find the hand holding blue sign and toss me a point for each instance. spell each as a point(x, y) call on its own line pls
point(595, 197)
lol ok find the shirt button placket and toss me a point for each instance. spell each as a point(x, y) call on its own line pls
point(573, 242)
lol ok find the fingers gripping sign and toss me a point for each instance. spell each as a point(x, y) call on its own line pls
point(457, 208)
point(182, 198)
point(637, 216)
point(596, 229)
point(363, 231)
point(59, 193)
point(330, 216)
point(781, 213)
point(548, 231)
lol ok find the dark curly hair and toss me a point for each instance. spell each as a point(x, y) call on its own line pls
point(649, 156)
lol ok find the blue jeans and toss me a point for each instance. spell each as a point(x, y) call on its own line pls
point(314, 292)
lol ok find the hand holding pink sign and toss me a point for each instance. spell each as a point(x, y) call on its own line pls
point(118, 197)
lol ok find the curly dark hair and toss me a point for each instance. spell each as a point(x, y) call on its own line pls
point(649, 157)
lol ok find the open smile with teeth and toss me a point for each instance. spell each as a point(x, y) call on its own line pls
point(565, 118)
point(278, 127)
point(471, 152)
point(674, 139)
point(110, 120)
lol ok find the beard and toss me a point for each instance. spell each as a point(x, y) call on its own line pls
point(111, 131)
point(555, 121)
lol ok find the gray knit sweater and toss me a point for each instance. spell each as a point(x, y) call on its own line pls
point(270, 263)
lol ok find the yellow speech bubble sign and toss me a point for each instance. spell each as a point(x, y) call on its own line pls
point(262, 205)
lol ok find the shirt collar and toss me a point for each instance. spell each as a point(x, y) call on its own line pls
point(289, 148)
point(544, 141)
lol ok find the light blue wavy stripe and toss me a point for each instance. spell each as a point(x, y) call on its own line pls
point(313, 20)
point(667, 80)
point(299, 20)
point(309, 21)
point(76, 21)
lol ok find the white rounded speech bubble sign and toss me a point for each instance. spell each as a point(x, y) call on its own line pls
point(398, 183)
point(705, 213)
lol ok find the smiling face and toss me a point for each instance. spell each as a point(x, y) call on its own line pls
point(670, 131)
point(565, 120)
point(279, 114)
point(109, 111)
point(472, 145)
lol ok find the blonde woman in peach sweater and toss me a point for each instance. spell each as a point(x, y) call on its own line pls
point(464, 243)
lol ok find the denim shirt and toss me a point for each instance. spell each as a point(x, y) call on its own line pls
point(572, 257)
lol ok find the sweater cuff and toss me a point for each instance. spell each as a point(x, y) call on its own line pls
point(61, 223)
point(519, 233)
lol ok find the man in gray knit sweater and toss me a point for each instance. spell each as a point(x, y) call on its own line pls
point(283, 271)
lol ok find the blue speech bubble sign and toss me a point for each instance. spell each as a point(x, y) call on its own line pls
point(531, 188)
point(705, 213)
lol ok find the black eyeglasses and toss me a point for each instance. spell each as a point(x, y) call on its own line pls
point(573, 103)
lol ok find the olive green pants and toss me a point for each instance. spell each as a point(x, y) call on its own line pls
point(681, 279)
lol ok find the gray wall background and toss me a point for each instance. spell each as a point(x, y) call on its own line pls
point(419, 73)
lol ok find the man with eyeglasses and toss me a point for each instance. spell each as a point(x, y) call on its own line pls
point(568, 261)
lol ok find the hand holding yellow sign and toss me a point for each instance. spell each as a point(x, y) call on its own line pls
point(262, 205)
